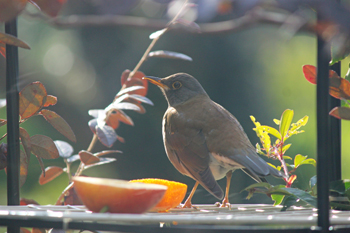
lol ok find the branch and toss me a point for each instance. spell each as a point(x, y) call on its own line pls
point(250, 19)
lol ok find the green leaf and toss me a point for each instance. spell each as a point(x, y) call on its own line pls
point(270, 130)
point(313, 181)
point(59, 124)
point(289, 201)
point(287, 157)
point(300, 160)
point(295, 126)
point(277, 199)
point(339, 51)
point(347, 76)
point(302, 195)
point(286, 120)
point(277, 122)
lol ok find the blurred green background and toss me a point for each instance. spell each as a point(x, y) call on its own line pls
point(256, 71)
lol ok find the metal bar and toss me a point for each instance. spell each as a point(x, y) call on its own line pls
point(12, 108)
point(95, 226)
point(323, 135)
point(335, 125)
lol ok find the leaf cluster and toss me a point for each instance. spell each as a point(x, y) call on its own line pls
point(33, 100)
point(277, 150)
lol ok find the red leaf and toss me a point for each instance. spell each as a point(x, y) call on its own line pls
point(136, 80)
point(23, 168)
point(24, 230)
point(50, 174)
point(340, 113)
point(3, 49)
point(44, 147)
point(31, 99)
point(9, 9)
point(59, 124)
point(25, 201)
point(50, 100)
point(12, 40)
point(310, 73)
point(25, 139)
point(50, 7)
point(88, 158)
point(339, 87)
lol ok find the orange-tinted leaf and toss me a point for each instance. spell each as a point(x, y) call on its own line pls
point(88, 158)
point(2, 49)
point(50, 7)
point(123, 117)
point(50, 100)
point(59, 124)
point(9, 9)
point(24, 230)
point(25, 139)
point(3, 122)
point(38, 230)
point(310, 73)
point(31, 99)
point(113, 120)
point(136, 80)
point(72, 198)
point(340, 113)
point(11, 40)
point(23, 168)
point(106, 135)
point(339, 87)
point(106, 152)
point(121, 139)
point(25, 201)
point(102, 161)
point(44, 147)
point(50, 174)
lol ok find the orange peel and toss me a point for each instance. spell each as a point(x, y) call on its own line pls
point(173, 195)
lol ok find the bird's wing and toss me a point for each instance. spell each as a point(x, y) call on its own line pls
point(187, 150)
point(236, 145)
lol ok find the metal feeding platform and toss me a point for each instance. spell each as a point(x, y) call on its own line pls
point(240, 217)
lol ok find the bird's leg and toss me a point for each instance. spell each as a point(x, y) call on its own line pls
point(188, 203)
point(225, 202)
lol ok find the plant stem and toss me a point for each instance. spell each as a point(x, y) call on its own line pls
point(58, 202)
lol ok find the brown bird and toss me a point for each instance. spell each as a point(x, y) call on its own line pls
point(203, 140)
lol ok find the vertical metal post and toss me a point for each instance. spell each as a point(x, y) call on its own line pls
point(335, 125)
point(12, 108)
point(323, 135)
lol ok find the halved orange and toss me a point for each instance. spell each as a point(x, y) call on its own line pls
point(173, 196)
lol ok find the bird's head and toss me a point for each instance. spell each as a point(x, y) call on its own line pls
point(178, 88)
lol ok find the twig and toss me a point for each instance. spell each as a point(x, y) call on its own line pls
point(58, 202)
point(250, 19)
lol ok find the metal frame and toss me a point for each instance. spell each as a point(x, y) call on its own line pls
point(328, 152)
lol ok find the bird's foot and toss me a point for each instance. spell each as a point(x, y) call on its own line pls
point(224, 204)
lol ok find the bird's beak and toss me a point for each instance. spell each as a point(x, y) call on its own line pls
point(156, 81)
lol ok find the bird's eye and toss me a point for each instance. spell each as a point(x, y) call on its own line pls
point(177, 85)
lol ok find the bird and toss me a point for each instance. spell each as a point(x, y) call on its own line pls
point(203, 140)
